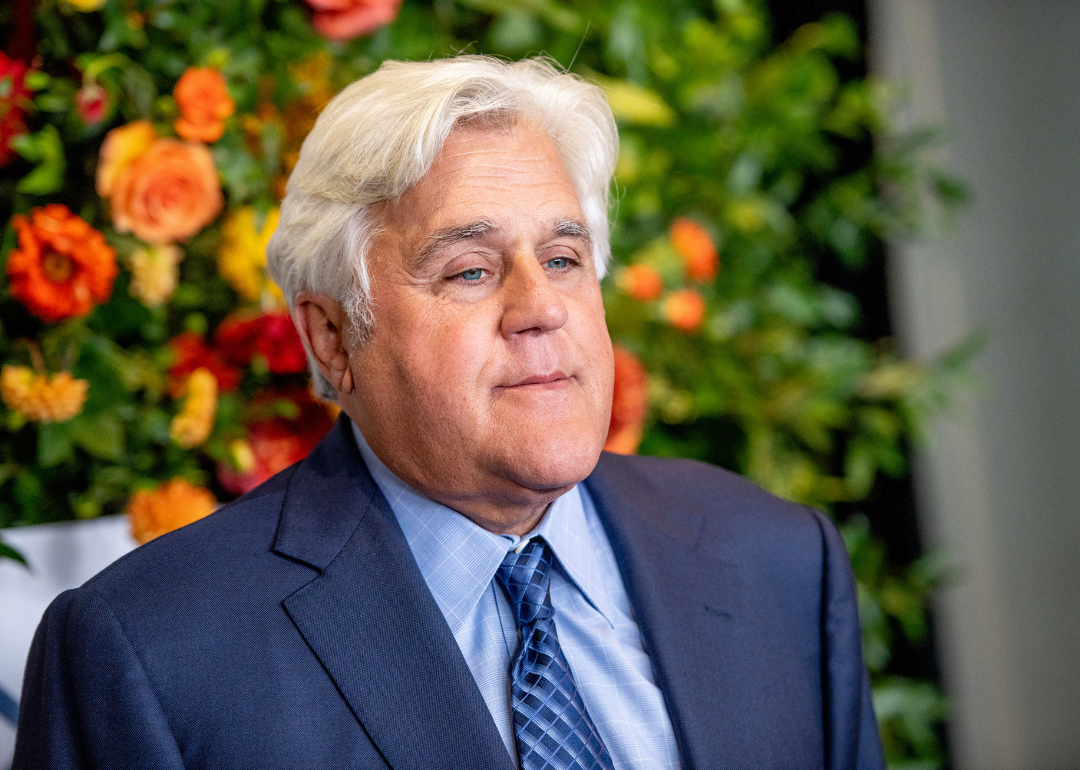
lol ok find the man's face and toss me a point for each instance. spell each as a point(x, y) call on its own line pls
point(487, 381)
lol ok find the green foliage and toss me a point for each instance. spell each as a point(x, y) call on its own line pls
point(783, 165)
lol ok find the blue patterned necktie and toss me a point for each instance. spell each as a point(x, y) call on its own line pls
point(553, 729)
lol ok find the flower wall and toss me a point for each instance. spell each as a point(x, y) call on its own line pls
point(149, 365)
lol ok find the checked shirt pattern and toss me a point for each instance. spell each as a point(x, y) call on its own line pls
point(552, 727)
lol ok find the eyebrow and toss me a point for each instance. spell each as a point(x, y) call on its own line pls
point(448, 236)
point(573, 228)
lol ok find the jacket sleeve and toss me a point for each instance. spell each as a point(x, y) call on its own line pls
point(86, 700)
point(851, 735)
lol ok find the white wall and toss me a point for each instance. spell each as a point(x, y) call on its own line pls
point(61, 556)
point(1000, 484)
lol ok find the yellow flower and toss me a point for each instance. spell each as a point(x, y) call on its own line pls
point(242, 455)
point(241, 257)
point(172, 505)
point(195, 420)
point(154, 273)
point(313, 74)
point(121, 148)
point(86, 5)
point(40, 397)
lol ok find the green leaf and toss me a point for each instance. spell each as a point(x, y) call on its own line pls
point(7, 552)
point(37, 80)
point(633, 104)
point(54, 443)
point(46, 150)
point(28, 493)
point(102, 435)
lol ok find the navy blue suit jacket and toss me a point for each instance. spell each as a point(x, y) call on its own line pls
point(293, 629)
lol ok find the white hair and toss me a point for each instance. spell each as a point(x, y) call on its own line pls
point(381, 135)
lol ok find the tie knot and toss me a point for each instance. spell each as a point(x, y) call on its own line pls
point(524, 575)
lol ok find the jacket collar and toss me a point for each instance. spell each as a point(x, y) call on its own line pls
point(686, 599)
point(372, 622)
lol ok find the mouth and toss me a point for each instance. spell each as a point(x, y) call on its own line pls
point(540, 381)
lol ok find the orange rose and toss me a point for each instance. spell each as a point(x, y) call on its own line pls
point(685, 310)
point(204, 103)
point(120, 148)
point(641, 282)
point(168, 193)
point(174, 504)
point(62, 266)
point(346, 19)
point(696, 247)
point(629, 403)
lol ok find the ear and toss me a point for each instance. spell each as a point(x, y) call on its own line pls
point(321, 322)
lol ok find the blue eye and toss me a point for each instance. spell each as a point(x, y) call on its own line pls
point(473, 275)
point(559, 263)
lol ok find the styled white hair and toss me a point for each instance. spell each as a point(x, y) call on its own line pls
point(381, 135)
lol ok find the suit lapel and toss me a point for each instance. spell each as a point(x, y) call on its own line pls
point(373, 623)
point(688, 604)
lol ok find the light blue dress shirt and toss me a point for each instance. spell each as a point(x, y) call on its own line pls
point(593, 617)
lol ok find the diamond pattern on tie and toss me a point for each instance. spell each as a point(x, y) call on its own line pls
point(553, 729)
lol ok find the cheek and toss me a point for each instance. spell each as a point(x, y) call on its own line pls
point(446, 356)
point(591, 332)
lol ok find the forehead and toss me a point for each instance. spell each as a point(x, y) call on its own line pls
point(507, 176)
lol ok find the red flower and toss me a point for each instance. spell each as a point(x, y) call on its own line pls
point(15, 104)
point(92, 102)
point(629, 403)
point(278, 442)
point(190, 352)
point(281, 345)
point(270, 335)
point(346, 19)
point(235, 338)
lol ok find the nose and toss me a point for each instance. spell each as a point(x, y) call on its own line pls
point(531, 304)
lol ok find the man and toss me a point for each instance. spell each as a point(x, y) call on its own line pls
point(456, 577)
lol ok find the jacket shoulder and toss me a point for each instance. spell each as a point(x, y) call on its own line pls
point(711, 495)
point(232, 545)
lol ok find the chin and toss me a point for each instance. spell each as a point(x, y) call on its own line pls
point(553, 458)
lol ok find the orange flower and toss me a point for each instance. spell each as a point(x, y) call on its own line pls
point(685, 310)
point(641, 282)
point(629, 403)
point(171, 505)
point(168, 193)
point(204, 103)
point(122, 146)
point(40, 397)
point(346, 19)
point(696, 247)
point(62, 266)
point(195, 420)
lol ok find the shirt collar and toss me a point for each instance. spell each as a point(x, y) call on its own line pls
point(458, 558)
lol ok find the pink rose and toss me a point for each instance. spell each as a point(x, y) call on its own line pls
point(346, 19)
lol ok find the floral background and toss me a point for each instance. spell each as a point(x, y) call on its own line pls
point(149, 365)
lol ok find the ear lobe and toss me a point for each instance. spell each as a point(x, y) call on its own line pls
point(320, 321)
